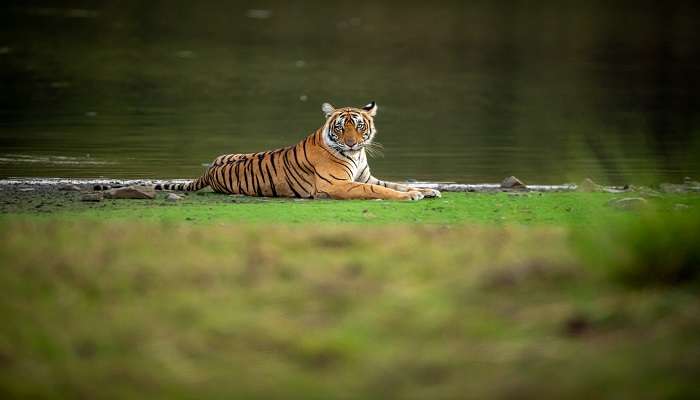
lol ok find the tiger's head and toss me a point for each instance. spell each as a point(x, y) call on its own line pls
point(349, 129)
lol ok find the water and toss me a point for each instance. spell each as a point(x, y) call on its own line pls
point(468, 92)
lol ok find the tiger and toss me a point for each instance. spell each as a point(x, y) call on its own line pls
point(329, 163)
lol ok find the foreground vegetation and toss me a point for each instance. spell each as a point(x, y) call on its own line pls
point(167, 308)
point(470, 295)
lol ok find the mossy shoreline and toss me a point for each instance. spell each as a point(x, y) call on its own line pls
point(565, 208)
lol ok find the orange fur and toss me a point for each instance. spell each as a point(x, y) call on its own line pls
point(329, 163)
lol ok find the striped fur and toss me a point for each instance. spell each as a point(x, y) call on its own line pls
point(329, 163)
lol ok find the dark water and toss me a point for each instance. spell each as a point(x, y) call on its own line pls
point(468, 91)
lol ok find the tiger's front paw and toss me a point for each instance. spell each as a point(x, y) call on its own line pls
point(428, 193)
point(414, 195)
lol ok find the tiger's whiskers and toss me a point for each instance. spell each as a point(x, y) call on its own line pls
point(374, 149)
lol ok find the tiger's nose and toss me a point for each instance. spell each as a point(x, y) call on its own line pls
point(350, 142)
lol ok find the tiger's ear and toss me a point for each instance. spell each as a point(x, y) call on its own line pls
point(327, 109)
point(371, 108)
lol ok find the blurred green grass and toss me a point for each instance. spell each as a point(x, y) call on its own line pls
point(650, 250)
point(120, 309)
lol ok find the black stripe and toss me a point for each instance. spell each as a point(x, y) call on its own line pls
point(212, 172)
point(347, 169)
point(300, 167)
point(272, 160)
point(248, 175)
point(351, 160)
point(260, 169)
point(288, 164)
point(310, 164)
point(272, 182)
point(339, 161)
point(336, 178)
point(257, 176)
point(287, 169)
point(288, 175)
point(238, 177)
point(221, 179)
point(306, 157)
point(258, 190)
point(232, 179)
point(226, 173)
point(355, 186)
point(241, 176)
point(363, 172)
point(291, 187)
point(321, 176)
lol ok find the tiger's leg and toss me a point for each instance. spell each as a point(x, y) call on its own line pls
point(356, 190)
point(403, 188)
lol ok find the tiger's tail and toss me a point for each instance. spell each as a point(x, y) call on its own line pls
point(192, 186)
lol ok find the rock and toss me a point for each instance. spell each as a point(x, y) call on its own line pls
point(131, 192)
point(692, 185)
point(672, 188)
point(680, 207)
point(587, 185)
point(628, 203)
point(69, 188)
point(512, 182)
point(645, 191)
point(613, 190)
point(173, 197)
point(91, 196)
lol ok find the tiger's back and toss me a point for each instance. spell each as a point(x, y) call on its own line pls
point(285, 172)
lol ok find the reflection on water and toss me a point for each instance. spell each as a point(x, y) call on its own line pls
point(468, 92)
point(50, 160)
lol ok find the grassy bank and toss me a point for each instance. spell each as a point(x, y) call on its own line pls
point(452, 208)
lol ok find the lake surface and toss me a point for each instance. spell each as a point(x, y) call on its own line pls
point(467, 91)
